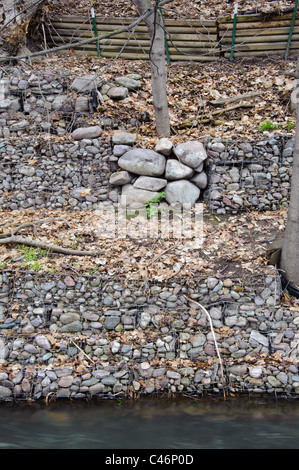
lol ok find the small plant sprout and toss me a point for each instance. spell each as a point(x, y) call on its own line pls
point(152, 209)
point(32, 255)
point(268, 126)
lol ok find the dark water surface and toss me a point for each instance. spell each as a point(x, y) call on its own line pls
point(152, 424)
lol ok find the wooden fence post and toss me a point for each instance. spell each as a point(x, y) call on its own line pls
point(291, 29)
point(165, 38)
point(95, 30)
point(234, 32)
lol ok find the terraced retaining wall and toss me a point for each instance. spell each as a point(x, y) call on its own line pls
point(75, 175)
point(63, 336)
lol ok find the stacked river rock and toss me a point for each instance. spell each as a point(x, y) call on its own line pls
point(87, 336)
point(177, 171)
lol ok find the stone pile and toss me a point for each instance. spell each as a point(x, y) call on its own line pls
point(126, 381)
point(143, 173)
point(249, 175)
point(137, 330)
point(44, 102)
point(229, 176)
point(55, 175)
point(84, 171)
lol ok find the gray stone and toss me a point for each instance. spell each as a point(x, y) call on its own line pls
point(182, 192)
point(48, 285)
point(82, 104)
point(19, 126)
point(191, 153)
point(282, 377)
point(176, 170)
point(69, 317)
point(259, 338)
point(30, 348)
point(65, 381)
point(145, 319)
point(27, 170)
point(96, 389)
point(72, 327)
point(198, 340)
point(84, 84)
point(124, 138)
point(246, 147)
point(164, 146)
point(256, 372)
point(99, 374)
point(149, 183)
point(43, 342)
point(119, 150)
point(173, 375)
point(91, 132)
point(110, 380)
point(273, 381)
point(218, 147)
point(128, 82)
point(135, 76)
point(200, 180)
point(237, 200)
point(5, 104)
point(5, 392)
point(61, 102)
point(143, 162)
point(118, 93)
point(131, 195)
point(120, 178)
point(111, 322)
point(79, 193)
point(238, 370)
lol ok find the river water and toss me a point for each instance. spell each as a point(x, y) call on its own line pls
point(152, 424)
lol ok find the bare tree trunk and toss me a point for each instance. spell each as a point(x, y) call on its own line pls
point(155, 28)
point(289, 262)
point(15, 18)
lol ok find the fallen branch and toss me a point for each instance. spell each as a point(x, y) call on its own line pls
point(8, 238)
point(46, 246)
point(233, 99)
point(231, 108)
point(32, 224)
point(215, 342)
point(205, 119)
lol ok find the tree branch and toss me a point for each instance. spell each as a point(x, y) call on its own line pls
point(87, 41)
point(46, 246)
point(10, 238)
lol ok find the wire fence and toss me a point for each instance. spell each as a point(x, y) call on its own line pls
point(192, 39)
point(159, 309)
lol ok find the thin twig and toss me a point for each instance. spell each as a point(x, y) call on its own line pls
point(76, 345)
point(215, 342)
point(161, 254)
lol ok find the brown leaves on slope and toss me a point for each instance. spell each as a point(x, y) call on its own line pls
point(177, 8)
point(233, 246)
point(192, 88)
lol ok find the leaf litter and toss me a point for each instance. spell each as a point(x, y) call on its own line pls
point(192, 91)
point(233, 246)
